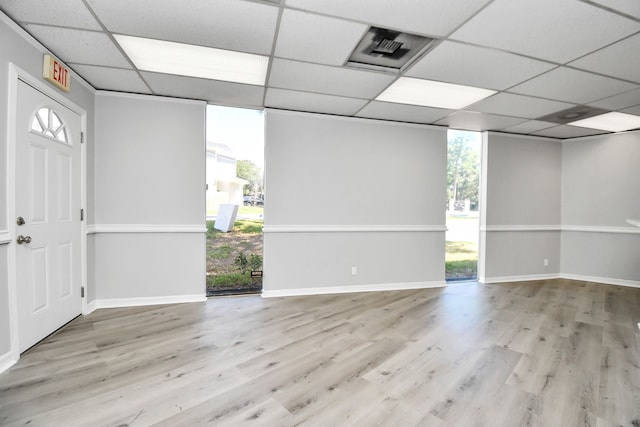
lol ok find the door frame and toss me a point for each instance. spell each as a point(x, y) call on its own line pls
point(17, 74)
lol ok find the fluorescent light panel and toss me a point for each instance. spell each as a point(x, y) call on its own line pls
point(614, 122)
point(195, 61)
point(408, 90)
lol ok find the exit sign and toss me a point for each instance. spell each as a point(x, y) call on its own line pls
point(56, 72)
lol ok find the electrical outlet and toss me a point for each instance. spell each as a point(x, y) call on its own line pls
point(546, 262)
point(354, 271)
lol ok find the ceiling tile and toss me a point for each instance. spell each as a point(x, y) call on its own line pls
point(433, 18)
point(226, 24)
point(402, 112)
point(509, 104)
point(633, 110)
point(529, 126)
point(316, 38)
point(558, 31)
point(214, 91)
point(68, 13)
point(628, 7)
point(566, 84)
point(286, 74)
point(312, 102)
point(476, 66)
point(79, 46)
point(111, 78)
point(470, 120)
point(565, 131)
point(618, 102)
point(607, 61)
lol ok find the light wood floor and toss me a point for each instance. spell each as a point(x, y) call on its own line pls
point(552, 353)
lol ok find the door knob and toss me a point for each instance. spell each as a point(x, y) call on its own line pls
point(20, 221)
point(23, 239)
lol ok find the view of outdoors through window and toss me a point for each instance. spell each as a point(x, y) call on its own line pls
point(235, 199)
point(463, 186)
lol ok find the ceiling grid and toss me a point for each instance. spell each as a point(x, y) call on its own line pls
point(534, 59)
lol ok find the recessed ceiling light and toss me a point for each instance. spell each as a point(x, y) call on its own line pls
point(408, 90)
point(195, 61)
point(613, 122)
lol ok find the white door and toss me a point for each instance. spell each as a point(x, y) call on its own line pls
point(48, 208)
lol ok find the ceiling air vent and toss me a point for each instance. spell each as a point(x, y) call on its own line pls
point(387, 50)
point(572, 114)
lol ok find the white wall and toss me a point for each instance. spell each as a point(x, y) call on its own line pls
point(344, 192)
point(147, 240)
point(520, 216)
point(20, 49)
point(600, 191)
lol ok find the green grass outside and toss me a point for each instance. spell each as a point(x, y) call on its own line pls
point(247, 226)
point(229, 280)
point(461, 260)
point(223, 251)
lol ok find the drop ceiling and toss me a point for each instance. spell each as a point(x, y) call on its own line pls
point(539, 57)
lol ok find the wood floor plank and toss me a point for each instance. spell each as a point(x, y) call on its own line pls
point(542, 353)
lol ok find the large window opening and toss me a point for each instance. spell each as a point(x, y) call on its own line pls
point(463, 188)
point(235, 200)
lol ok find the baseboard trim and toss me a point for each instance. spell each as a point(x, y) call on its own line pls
point(135, 302)
point(605, 280)
point(6, 361)
point(91, 307)
point(277, 293)
point(526, 278)
point(578, 277)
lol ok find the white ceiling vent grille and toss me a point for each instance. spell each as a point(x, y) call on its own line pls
point(388, 50)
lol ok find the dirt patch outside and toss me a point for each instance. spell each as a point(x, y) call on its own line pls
point(226, 272)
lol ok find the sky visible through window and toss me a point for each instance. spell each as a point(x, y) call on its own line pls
point(473, 138)
point(239, 128)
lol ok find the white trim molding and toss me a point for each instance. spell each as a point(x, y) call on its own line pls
point(136, 302)
point(521, 228)
point(598, 229)
point(90, 308)
point(275, 293)
point(5, 237)
point(7, 360)
point(575, 228)
point(605, 280)
point(579, 277)
point(145, 228)
point(353, 228)
point(148, 97)
point(525, 278)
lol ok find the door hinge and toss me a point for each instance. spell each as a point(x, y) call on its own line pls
point(82, 292)
point(81, 214)
point(81, 137)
